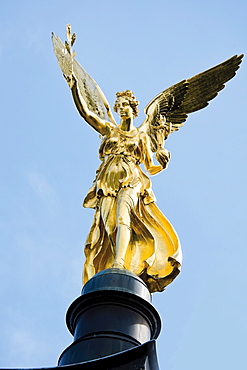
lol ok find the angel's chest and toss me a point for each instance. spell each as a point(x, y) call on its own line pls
point(122, 144)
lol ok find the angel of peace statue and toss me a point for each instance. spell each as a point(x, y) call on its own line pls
point(129, 231)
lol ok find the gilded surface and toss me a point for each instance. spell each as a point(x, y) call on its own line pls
point(129, 231)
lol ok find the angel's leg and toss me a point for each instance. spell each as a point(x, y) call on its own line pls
point(126, 201)
point(108, 214)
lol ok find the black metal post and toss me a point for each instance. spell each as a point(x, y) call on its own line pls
point(113, 315)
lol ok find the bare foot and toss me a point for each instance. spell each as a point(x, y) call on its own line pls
point(118, 265)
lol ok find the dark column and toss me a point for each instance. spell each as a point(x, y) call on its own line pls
point(113, 314)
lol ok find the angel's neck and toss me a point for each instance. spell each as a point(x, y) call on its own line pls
point(126, 124)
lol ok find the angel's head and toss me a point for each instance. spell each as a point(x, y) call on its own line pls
point(126, 104)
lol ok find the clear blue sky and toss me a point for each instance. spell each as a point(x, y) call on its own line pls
point(48, 157)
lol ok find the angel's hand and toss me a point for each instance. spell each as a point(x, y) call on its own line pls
point(163, 157)
point(152, 170)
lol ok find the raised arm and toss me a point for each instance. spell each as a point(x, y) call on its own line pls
point(89, 99)
point(99, 124)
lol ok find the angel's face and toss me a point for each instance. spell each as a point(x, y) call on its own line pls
point(124, 109)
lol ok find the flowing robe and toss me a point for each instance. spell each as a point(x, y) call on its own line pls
point(154, 251)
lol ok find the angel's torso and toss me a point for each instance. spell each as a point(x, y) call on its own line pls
point(123, 143)
point(121, 153)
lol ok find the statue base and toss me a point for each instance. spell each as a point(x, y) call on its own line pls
point(112, 317)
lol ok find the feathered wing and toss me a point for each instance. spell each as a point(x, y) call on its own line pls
point(82, 85)
point(168, 111)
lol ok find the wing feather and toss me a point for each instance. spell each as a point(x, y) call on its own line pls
point(168, 111)
point(175, 103)
point(205, 86)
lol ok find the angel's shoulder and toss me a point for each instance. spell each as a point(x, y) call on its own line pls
point(143, 135)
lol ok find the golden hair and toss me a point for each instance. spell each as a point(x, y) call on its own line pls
point(132, 101)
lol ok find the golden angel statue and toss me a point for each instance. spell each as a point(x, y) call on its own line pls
point(129, 231)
